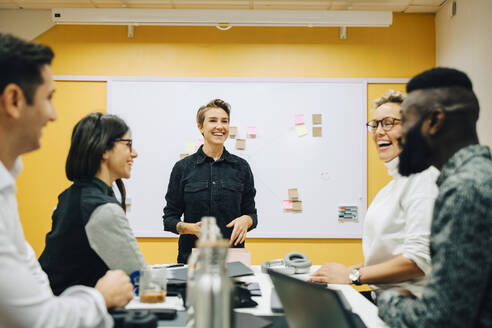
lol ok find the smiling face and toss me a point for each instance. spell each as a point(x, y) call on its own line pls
point(387, 141)
point(119, 159)
point(215, 127)
point(35, 116)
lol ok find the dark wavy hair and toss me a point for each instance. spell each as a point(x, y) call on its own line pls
point(91, 137)
point(21, 62)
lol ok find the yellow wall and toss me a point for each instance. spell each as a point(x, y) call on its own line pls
point(402, 50)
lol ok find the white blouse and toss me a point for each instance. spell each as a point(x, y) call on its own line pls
point(398, 222)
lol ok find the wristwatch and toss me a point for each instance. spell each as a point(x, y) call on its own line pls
point(354, 276)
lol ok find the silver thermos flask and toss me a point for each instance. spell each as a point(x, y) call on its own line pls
point(209, 231)
point(213, 287)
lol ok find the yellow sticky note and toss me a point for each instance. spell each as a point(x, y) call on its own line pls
point(301, 130)
point(190, 147)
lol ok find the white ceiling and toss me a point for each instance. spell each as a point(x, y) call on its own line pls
point(406, 6)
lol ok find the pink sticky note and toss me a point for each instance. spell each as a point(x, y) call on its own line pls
point(287, 204)
point(299, 119)
point(199, 142)
point(251, 130)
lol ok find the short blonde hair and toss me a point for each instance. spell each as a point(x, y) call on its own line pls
point(391, 96)
point(216, 103)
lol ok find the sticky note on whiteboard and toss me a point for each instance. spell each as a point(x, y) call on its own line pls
point(252, 131)
point(232, 132)
point(301, 130)
point(348, 213)
point(299, 119)
point(317, 119)
point(297, 205)
point(293, 194)
point(240, 144)
point(287, 204)
point(190, 147)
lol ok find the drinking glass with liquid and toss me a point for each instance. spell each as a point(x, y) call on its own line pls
point(152, 285)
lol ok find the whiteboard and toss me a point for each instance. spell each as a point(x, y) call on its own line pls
point(328, 171)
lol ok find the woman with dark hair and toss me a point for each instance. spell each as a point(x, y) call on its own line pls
point(211, 182)
point(90, 232)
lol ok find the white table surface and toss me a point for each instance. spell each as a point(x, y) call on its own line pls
point(367, 311)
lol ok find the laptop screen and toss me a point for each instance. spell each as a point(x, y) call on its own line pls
point(307, 305)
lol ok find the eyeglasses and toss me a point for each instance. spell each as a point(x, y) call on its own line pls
point(129, 142)
point(387, 124)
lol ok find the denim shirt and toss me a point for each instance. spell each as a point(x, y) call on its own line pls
point(200, 186)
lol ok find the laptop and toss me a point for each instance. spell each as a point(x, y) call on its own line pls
point(309, 305)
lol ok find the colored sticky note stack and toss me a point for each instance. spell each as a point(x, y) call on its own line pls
point(293, 203)
point(252, 131)
point(317, 130)
point(240, 144)
point(301, 129)
point(232, 132)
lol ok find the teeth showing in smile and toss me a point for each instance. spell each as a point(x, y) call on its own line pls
point(384, 143)
point(219, 134)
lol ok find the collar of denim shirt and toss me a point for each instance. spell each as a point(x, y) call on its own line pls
point(201, 157)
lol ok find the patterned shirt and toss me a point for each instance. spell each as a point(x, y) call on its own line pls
point(458, 293)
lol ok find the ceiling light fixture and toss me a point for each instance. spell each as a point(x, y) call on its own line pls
point(222, 17)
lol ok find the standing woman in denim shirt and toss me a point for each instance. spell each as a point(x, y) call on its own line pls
point(211, 182)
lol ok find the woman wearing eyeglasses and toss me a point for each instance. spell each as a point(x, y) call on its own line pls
point(90, 232)
point(396, 231)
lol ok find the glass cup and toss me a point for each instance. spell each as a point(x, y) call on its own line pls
point(152, 285)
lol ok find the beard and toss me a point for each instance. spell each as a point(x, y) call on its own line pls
point(416, 154)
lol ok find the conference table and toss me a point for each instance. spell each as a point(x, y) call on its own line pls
point(367, 311)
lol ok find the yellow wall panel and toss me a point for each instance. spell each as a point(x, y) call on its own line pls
point(402, 50)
